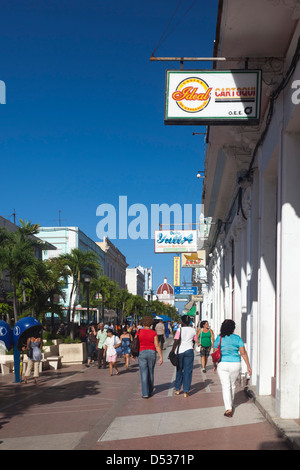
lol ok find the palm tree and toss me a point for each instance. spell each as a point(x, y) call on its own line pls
point(78, 263)
point(121, 299)
point(44, 289)
point(136, 305)
point(17, 255)
point(102, 285)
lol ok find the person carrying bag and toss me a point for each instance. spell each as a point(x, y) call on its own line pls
point(173, 356)
point(229, 349)
point(184, 372)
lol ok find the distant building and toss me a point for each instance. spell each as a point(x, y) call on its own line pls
point(65, 239)
point(115, 262)
point(251, 192)
point(148, 289)
point(165, 293)
point(135, 281)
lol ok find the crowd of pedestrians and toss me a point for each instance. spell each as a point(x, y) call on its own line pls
point(106, 342)
point(111, 342)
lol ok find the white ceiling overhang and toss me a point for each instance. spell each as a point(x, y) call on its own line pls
point(254, 34)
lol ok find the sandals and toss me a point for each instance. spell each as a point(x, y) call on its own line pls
point(228, 413)
point(25, 381)
point(177, 392)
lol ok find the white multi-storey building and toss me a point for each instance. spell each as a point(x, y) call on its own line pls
point(115, 262)
point(64, 239)
point(148, 288)
point(135, 281)
point(251, 190)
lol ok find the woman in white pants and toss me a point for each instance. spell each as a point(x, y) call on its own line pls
point(232, 349)
point(34, 354)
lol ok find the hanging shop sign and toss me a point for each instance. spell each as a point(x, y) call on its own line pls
point(193, 260)
point(212, 97)
point(197, 298)
point(175, 241)
point(182, 290)
point(181, 298)
point(176, 271)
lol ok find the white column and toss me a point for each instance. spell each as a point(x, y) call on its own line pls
point(226, 284)
point(288, 280)
point(266, 284)
point(237, 280)
point(244, 304)
point(253, 278)
point(243, 307)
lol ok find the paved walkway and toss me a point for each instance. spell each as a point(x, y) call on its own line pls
point(85, 409)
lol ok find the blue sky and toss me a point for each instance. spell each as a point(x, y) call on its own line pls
point(84, 117)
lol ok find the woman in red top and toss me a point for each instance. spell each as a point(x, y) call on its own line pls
point(149, 345)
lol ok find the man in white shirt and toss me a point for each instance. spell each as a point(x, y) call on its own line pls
point(160, 330)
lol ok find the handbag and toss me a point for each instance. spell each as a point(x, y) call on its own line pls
point(135, 346)
point(198, 346)
point(119, 349)
point(216, 356)
point(173, 357)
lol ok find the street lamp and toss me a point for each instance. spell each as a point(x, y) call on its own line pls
point(87, 279)
point(200, 174)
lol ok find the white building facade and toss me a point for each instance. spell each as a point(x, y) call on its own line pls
point(251, 190)
point(65, 239)
point(135, 281)
point(148, 286)
point(115, 262)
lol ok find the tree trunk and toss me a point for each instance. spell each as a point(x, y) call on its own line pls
point(15, 305)
point(103, 299)
point(69, 310)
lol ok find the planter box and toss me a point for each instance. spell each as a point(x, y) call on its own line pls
point(75, 353)
point(6, 363)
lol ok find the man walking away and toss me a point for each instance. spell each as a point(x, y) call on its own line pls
point(160, 331)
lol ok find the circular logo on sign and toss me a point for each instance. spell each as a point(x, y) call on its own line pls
point(192, 95)
point(17, 330)
point(3, 331)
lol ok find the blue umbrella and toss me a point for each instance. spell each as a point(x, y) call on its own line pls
point(165, 318)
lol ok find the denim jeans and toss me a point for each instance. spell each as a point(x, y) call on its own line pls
point(147, 359)
point(92, 348)
point(185, 370)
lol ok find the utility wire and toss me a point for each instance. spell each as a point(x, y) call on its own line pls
point(183, 16)
point(164, 36)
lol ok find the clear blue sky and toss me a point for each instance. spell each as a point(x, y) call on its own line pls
point(84, 117)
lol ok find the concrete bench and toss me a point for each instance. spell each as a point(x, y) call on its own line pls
point(6, 366)
point(55, 362)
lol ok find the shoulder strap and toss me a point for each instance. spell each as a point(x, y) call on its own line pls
point(179, 341)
